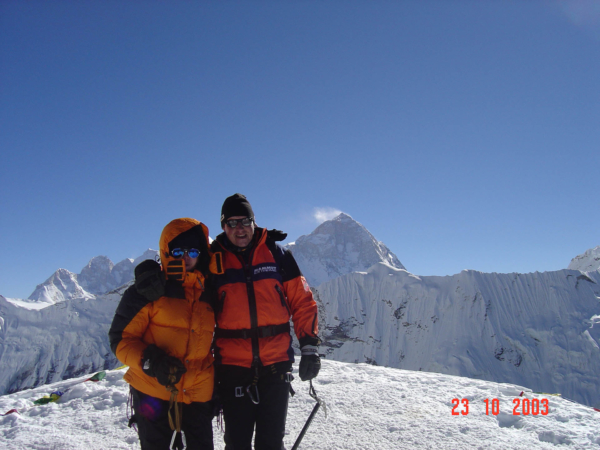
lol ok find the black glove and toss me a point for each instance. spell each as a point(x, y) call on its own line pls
point(276, 235)
point(149, 280)
point(310, 363)
point(165, 368)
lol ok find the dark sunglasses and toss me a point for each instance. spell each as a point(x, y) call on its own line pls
point(179, 252)
point(232, 223)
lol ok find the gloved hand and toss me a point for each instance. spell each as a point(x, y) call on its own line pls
point(310, 362)
point(150, 280)
point(276, 235)
point(165, 368)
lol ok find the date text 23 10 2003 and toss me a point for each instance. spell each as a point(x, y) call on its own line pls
point(521, 406)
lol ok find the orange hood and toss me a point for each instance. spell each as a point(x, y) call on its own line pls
point(194, 230)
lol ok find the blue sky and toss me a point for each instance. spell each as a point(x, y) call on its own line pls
point(462, 134)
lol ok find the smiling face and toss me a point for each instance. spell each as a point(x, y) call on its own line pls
point(239, 236)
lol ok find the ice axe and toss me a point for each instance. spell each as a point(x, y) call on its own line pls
point(313, 394)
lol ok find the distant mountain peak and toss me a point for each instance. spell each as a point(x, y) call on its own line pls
point(337, 247)
point(343, 216)
point(98, 277)
point(588, 261)
point(62, 285)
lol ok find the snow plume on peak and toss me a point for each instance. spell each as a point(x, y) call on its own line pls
point(337, 247)
point(323, 214)
point(587, 262)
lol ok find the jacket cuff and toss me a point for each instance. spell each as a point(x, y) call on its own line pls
point(309, 340)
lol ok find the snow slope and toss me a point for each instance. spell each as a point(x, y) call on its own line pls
point(368, 408)
point(533, 329)
point(60, 341)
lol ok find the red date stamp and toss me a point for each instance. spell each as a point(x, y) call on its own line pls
point(521, 406)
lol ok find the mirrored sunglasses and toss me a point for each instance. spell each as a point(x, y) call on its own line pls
point(179, 252)
point(232, 223)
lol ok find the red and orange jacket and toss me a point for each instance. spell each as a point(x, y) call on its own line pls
point(181, 323)
point(258, 293)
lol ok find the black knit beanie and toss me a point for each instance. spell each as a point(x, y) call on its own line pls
point(236, 205)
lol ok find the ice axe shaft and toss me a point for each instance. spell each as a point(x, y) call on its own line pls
point(306, 425)
point(313, 413)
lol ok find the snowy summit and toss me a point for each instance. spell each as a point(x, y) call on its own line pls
point(587, 262)
point(337, 247)
point(100, 276)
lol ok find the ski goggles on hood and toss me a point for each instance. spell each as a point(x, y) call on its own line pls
point(179, 252)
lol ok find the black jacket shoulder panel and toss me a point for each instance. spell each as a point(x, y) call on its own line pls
point(288, 268)
point(130, 305)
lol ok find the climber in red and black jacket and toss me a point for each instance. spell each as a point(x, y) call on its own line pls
point(259, 288)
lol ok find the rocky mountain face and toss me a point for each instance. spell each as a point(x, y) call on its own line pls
point(337, 247)
point(587, 262)
point(98, 277)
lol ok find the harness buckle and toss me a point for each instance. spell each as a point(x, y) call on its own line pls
point(239, 391)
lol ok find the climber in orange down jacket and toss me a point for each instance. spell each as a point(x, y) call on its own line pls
point(165, 334)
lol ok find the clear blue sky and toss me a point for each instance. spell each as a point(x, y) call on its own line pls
point(462, 134)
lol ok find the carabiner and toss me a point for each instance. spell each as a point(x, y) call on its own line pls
point(183, 441)
point(256, 400)
point(313, 394)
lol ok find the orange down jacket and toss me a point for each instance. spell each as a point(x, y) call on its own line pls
point(257, 296)
point(180, 323)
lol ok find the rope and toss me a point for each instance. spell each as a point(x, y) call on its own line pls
point(178, 407)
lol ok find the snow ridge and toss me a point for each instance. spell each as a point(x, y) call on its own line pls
point(533, 329)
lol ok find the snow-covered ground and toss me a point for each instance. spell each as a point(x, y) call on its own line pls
point(368, 407)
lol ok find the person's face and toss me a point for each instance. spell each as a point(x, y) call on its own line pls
point(190, 263)
point(240, 236)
